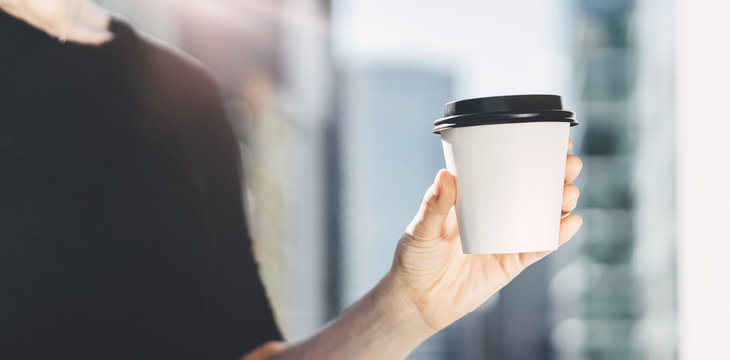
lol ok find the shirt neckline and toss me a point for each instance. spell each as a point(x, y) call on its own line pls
point(114, 25)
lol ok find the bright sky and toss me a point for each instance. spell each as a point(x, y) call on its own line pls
point(493, 46)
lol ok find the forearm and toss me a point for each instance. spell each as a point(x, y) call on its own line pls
point(381, 325)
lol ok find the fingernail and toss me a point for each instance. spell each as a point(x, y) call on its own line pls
point(577, 225)
point(437, 184)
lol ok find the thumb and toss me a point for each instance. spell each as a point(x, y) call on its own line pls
point(428, 224)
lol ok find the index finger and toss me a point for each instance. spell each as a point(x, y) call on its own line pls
point(570, 144)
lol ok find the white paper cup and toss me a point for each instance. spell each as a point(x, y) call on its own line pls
point(509, 175)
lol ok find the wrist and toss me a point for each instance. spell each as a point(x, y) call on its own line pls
point(400, 310)
point(384, 324)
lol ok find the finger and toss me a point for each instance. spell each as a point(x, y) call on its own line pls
point(570, 144)
point(570, 197)
point(568, 227)
point(438, 201)
point(573, 166)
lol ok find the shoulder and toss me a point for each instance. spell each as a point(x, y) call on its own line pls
point(165, 67)
point(179, 86)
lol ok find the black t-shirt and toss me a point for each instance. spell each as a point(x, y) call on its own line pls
point(122, 232)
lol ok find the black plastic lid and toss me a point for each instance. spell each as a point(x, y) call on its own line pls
point(504, 110)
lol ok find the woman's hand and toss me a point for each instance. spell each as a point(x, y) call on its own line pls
point(430, 285)
point(433, 274)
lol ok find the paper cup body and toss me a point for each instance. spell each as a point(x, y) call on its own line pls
point(510, 181)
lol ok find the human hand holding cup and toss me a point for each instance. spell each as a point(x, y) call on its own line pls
point(513, 176)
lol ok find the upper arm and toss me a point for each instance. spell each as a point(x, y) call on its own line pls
point(266, 351)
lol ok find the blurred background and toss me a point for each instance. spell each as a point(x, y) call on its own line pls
point(334, 100)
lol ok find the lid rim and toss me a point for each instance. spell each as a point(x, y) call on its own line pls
point(447, 126)
point(546, 113)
